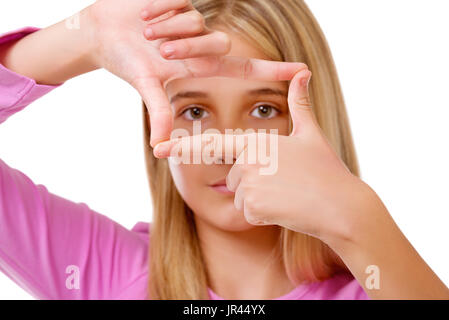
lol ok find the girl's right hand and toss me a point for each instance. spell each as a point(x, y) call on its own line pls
point(118, 30)
point(120, 43)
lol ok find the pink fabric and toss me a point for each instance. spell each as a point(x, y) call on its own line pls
point(42, 234)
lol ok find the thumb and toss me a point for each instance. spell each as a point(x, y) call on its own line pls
point(159, 109)
point(299, 102)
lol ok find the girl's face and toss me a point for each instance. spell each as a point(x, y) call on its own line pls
point(223, 103)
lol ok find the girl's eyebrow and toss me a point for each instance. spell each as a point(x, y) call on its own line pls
point(188, 94)
point(253, 92)
point(267, 92)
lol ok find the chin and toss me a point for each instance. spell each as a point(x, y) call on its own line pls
point(225, 218)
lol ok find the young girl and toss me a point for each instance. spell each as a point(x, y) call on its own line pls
point(311, 230)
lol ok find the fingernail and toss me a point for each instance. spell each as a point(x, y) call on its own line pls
point(156, 152)
point(160, 150)
point(169, 51)
point(305, 81)
point(149, 33)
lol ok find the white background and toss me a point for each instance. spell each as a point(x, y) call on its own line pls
point(84, 139)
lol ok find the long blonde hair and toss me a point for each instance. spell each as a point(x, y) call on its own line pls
point(285, 31)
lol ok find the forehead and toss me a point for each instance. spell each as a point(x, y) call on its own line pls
point(240, 47)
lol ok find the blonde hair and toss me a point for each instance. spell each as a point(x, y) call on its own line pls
point(285, 31)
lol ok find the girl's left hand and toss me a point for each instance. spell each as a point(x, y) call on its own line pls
point(312, 191)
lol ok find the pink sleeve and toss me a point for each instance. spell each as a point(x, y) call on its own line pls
point(50, 246)
point(17, 91)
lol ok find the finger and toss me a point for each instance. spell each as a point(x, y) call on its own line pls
point(258, 69)
point(186, 24)
point(299, 103)
point(240, 204)
point(159, 108)
point(213, 148)
point(234, 176)
point(212, 44)
point(246, 68)
point(158, 8)
point(239, 198)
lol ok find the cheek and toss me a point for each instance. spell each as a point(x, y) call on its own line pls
point(187, 181)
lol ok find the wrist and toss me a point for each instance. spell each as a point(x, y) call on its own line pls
point(82, 33)
point(54, 54)
point(364, 217)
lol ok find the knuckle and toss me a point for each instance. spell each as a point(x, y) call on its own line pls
point(304, 101)
point(164, 111)
point(250, 212)
point(224, 38)
point(186, 47)
point(251, 219)
point(154, 28)
point(251, 202)
point(198, 22)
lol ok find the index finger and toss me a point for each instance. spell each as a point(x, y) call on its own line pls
point(246, 68)
point(215, 147)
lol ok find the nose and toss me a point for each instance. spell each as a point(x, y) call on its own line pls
point(233, 124)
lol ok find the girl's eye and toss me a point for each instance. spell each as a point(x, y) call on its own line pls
point(195, 113)
point(264, 112)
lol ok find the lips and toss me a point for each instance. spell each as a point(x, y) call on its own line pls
point(220, 187)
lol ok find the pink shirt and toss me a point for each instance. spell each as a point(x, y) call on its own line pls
point(42, 235)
